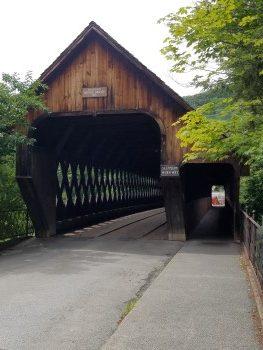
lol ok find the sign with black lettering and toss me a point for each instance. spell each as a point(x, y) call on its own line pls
point(169, 170)
point(95, 92)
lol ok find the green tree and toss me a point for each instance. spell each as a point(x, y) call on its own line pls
point(10, 198)
point(17, 98)
point(222, 41)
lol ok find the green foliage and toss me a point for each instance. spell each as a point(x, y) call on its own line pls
point(222, 41)
point(14, 221)
point(17, 97)
point(234, 131)
point(10, 198)
point(251, 194)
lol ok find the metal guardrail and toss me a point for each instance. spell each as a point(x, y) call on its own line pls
point(15, 224)
point(252, 236)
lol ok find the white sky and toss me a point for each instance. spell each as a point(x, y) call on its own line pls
point(34, 32)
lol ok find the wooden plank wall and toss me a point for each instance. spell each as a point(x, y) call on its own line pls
point(98, 65)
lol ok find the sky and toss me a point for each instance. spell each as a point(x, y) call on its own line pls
point(34, 32)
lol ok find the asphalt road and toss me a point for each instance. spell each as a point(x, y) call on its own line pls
point(69, 292)
point(200, 301)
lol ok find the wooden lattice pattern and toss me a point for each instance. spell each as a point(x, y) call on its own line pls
point(83, 189)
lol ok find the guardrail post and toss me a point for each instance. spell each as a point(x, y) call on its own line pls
point(252, 233)
point(27, 223)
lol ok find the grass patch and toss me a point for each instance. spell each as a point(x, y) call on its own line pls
point(128, 308)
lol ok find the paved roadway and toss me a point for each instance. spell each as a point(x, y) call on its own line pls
point(69, 292)
point(200, 301)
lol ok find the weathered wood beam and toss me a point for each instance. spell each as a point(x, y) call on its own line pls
point(174, 207)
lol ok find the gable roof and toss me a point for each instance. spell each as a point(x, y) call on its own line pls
point(94, 28)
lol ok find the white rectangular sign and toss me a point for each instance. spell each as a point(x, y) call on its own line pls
point(169, 170)
point(95, 92)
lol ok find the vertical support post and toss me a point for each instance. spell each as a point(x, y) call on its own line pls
point(174, 207)
point(44, 178)
point(36, 176)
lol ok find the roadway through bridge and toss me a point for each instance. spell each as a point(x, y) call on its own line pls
point(71, 291)
point(149, 224)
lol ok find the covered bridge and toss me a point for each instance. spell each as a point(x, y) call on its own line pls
point(99, 150)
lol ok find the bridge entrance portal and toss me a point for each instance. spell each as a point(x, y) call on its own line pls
point(209, 199)
point(89, 168)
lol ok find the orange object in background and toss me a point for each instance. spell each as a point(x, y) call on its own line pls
point(218, 196)
point(215, 201)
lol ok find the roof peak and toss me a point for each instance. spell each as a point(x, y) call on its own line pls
point(93, 24)
point(69, 52)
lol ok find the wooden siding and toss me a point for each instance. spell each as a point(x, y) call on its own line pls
point(97, 64)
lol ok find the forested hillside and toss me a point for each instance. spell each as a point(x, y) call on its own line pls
point(204, 97)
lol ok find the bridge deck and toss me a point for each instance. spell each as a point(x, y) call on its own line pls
point(149, 224)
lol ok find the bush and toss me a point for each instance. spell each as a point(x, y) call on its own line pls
point(251, 193)
point(14, 220)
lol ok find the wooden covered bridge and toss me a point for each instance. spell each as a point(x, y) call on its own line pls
point(100, 148)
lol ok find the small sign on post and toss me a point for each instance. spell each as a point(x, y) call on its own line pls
point(169, 170)
point(95, 92)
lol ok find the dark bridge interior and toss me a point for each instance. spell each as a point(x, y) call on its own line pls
point(103, 165)
point(202, 219)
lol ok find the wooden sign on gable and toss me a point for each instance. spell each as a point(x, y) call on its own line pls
point(95, 92)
